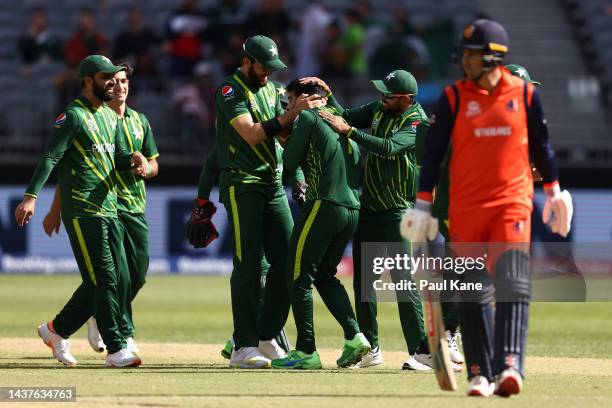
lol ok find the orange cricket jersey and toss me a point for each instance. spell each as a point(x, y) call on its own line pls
point(489, 166)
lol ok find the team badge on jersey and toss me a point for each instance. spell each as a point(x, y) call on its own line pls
point(59, 121)
point(374, 124)
point(137, 134)
point(227, 91)
point(512, 105)
point(91, 125)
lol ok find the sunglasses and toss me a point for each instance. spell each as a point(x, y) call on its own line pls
point(389, 97)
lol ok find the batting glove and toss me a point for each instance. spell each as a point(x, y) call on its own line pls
point(558, 210)
point(417, 224)
point(200, 229)
point(298, 192)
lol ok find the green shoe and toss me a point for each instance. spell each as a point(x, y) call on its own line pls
point(298, 360)
point(227, 350)
point(353, 350)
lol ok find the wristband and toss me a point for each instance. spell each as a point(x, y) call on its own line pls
point(423, 205)
point(272, 127)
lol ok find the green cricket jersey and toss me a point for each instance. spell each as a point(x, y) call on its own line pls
point(86, 151)
point(239, 162)
point(136, 132)
point(330, 161)
point(391, 172)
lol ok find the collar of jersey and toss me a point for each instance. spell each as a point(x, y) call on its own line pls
point(128, 111)
point(504, 83)
point(86, 102)
point(246, 81)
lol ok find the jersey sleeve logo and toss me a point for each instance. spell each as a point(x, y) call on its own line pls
point(60, 119)
point(227, 91)
point(414, 124)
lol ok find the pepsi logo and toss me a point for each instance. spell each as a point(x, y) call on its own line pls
point(227, 90)
point(60, 119)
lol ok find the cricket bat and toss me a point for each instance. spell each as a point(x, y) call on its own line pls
point(438, 345)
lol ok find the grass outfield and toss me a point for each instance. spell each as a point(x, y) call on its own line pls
point(182, 322)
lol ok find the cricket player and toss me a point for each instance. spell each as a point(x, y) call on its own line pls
point(136, 132)
point(495, 122)
point(201, 231)
point(249, 119)
point(331, 165)
point(87, 151)
point(389, 188)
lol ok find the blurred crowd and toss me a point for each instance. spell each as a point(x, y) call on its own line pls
point(197, 47)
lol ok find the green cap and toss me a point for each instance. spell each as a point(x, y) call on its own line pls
point(281, 90)
point(521, 72)
point(263, 50)
point(93, 64)
point(397, 82)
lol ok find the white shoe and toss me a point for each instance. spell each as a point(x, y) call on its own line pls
point(480, 387)
point(59, 345)
point(130, 344)
point(453, 346)
point(93, 336)
point(373, 358)
point(509, 382)
point(249, 357)
point(424, 362)
point(271, 350)
point(414, 364)
point(123, 358)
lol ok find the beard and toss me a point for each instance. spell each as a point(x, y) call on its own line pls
point(257, 80)
point(100, 93)
point(389, 110)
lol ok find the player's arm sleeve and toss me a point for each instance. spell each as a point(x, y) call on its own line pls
point(231, 107)
point(361, 116)
point(435, 147)
point(296, 145)
point(209, 174)
point(539, 147)
point(400, 141)
point(61, 139)
point(123, 156)
point(333, 102)
point(292, 177)
point(149, 147)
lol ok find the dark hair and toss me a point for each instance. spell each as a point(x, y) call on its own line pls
point(309, 88)
point(128, 68)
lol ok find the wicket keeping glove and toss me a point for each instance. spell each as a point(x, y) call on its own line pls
point(417, 224)
point(558, 210)
point(298, 192)
point(200, 229)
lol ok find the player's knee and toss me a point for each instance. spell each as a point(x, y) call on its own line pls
point(513, 277)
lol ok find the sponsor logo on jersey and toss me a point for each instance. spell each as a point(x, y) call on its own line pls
point(414, 124)
point(103, 147)
point(227, 91)
point(493, 131)
point(512, 105)
point(473, 109)
point(59, 121)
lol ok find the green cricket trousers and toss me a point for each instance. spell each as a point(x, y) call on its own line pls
point(317, 244)
point(97, 244)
